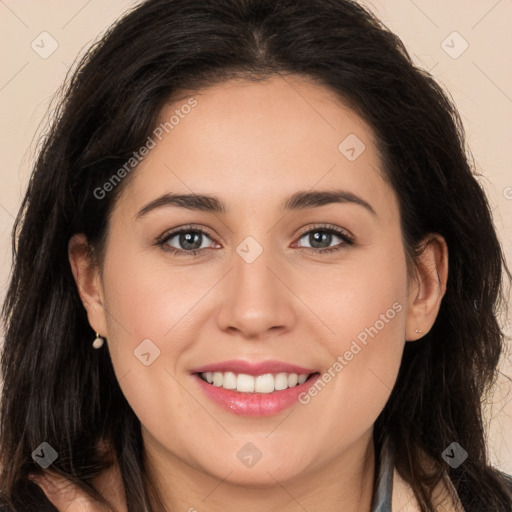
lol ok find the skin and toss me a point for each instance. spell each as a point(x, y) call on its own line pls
point(253, 145)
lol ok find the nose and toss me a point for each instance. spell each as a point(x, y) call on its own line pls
point(257, 299)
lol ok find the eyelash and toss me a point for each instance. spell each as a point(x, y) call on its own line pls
point(163, 240)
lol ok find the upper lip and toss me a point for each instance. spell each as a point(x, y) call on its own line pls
point(253, 368)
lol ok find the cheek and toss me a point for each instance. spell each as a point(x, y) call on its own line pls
point(148, 299)
point(152, 317)
point(358, 379)
point(145, 308)
point(366, 291)
point(364, 306)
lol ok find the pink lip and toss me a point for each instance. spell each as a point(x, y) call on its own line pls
point(255, 404)
point(254, 369)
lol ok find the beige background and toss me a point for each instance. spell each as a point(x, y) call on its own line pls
point(479, 79)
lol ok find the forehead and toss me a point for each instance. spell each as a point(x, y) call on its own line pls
point(260, 141)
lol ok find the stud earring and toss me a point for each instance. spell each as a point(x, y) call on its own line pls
point(418, 331)
point(98, 342)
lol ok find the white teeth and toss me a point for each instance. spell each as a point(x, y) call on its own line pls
point(267, 383)
point(302, 379)
point(264, 383)
point(245, 383)
point(217, 379)
point(281, 381)
point(293, 378)
point(229, 380)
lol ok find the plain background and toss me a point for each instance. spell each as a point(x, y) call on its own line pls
point(473, 64)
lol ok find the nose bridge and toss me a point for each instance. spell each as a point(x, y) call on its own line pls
point(255, 300)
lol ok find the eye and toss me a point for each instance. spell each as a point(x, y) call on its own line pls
point(189, 241)
point(322, 236)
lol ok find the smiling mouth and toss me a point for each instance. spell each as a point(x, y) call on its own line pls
point(264, 384)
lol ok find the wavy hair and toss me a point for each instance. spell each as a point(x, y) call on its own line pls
point(56, 389)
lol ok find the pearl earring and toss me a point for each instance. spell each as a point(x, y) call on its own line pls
point(98, 342)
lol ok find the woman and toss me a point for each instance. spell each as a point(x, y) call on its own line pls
point(253, 271)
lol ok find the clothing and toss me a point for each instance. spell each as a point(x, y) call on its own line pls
point(392, 493)
point(383, 488)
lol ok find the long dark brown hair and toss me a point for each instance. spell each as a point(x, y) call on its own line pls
point(56, 389)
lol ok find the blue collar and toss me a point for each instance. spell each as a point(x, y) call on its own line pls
point(383, 489)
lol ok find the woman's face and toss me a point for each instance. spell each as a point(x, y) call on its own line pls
point(289, 164)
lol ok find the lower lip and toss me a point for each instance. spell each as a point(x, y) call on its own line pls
point(255, 404)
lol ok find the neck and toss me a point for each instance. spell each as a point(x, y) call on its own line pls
point(345, 482)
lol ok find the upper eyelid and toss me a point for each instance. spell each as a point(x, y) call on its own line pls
point(185, 229)
point(336, 229)
point(325, 227)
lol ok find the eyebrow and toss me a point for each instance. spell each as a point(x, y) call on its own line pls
point(299, 201)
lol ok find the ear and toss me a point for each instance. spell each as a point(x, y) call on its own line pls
point(88, 280)
point(428, 287)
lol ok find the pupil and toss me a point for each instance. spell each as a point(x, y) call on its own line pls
point(320, 236)
point(187, 239)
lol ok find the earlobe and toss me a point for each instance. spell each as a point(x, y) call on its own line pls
point(429, 287)
point(88, 282)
